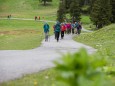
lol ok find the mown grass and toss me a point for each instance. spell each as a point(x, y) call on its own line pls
point(21, 35)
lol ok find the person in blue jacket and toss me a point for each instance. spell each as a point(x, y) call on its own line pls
point(46, 30)
point(57, 30)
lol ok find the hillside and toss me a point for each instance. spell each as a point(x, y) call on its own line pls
point(27, 8)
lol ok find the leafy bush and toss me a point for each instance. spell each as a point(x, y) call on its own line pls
point(81, 69)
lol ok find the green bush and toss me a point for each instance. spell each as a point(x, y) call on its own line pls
point(81, 69)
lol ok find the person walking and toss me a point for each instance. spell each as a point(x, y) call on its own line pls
point(46, 31)
point(72, 27)
point(63, 28)
point(77, 27)
point(68, 28)
point(57, 30)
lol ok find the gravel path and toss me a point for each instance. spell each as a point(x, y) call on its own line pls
point(16, 63)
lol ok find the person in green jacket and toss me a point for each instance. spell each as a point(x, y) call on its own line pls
point(46, 30)
point(57, 30)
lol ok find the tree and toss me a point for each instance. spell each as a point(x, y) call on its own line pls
point(101, 13)
point(61, 12)
point(113, 10)
point(75, 10)
point(45, 1)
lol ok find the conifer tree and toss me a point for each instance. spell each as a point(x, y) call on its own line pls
point(101, 13)
point(61, 12)
point(113, 10)
point(75, 10)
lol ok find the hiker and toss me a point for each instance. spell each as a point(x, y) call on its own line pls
point(38, 17)
point(9, 16)
point(72, 27)
point(79, 27)
point(68, 28)
point(46, 31)
point(57, 30)
point(35, 18)
point(63, 28)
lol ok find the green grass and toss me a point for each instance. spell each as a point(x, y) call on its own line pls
point(85, 19)
point(28, 9)
point(21, 35)
point(43, 78)
point(103, 40)
point(87, 23)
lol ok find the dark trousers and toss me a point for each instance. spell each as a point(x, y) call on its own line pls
point(62, 34)
point(57, 36)
point(72, 30)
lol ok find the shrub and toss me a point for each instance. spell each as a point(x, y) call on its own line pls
point(79, 69)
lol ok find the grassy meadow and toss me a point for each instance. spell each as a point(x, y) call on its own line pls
point(19, 34)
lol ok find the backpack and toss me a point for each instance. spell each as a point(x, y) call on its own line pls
point(57, 28)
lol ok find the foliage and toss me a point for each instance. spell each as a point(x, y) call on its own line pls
point(45, 1)
point(75, 10)
point(113, 10)
point(61, 13)
point(80, 67)
point(101, 13)
point(85, 9)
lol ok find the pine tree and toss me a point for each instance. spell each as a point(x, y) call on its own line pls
point(75, 10)
point(113, 10)
point(101, 13)
point(61, 12)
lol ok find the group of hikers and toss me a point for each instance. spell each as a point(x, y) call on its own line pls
point(37, 18)
point(62, 28)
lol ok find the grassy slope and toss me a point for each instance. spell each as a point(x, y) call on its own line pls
point(100, 39)
point(104, 41)
point(18, 34)
point(28, 8)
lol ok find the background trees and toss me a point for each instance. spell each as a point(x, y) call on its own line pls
point(71, 7)
point(101, 13)
point(45, 1)
point(113, 10)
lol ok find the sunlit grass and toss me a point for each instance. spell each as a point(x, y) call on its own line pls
point(43, 78)
point(21, 35)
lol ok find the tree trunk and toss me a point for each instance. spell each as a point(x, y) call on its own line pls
point(44, 2)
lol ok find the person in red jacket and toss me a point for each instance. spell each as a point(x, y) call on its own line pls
point(63, 28)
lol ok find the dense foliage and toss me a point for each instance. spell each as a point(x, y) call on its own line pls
point(45, 1)
point(101, 13)
point(79, 69)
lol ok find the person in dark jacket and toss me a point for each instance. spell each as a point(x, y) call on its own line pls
point(46, 31)
point(57, 30)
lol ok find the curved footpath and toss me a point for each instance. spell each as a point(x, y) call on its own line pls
point(16, 63)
